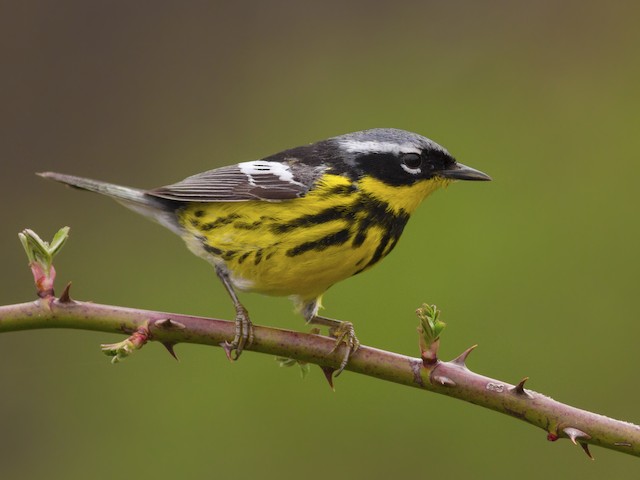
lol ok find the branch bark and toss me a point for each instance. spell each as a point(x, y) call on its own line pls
point(452, 378)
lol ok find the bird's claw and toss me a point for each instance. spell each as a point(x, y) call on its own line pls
point(243, 335)
point(344, 333)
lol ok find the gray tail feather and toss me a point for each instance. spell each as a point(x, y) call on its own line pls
point(133, 198)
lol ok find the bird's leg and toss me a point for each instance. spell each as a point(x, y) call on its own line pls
point(343, 332)
point(244, 329)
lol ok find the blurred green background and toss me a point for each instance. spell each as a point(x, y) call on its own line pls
point(539, 267)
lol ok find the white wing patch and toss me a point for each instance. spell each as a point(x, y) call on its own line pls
point(261, 167)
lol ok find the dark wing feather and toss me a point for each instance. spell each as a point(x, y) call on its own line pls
point(258, 180)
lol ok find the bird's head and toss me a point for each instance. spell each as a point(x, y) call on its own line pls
point(399, 158)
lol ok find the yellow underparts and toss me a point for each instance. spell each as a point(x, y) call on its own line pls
point(405, 198)
point(301, 247)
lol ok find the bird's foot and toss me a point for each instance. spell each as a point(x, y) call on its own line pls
point(243, 335)
point(344, 333)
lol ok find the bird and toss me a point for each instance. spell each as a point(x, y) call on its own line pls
point(297, 222)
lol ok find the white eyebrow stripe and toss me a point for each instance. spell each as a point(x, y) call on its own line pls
point(371, 146)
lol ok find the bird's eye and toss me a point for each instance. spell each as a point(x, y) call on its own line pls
point(411, 162)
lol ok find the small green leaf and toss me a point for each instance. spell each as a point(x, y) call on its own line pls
point(25, 244)
point(119, 351)
point(430, 329)
point(285, 362)
point(40, 251)
point(59, 240)
point(430, 322)
point(305, 368)
point(290, 362)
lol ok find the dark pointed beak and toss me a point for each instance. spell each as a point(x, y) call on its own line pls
point(462, 172)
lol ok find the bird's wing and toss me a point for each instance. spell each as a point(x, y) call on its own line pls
point(257, 180)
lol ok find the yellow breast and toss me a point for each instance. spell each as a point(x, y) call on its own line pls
point(302, 246)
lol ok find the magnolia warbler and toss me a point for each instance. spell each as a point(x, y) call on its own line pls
point(295, 223)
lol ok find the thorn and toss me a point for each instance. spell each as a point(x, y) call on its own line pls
point(622, 444)
point(585, 447)
point(168, 324)
point(574, 434)
point(442, 380)
point(65, 297)
point(519, 388)
point(328, 374)
point(169, 347)
point(462, 358)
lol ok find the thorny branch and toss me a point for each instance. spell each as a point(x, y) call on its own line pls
point(428, 372)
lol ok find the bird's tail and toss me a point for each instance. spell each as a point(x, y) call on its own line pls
point(133, 198)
